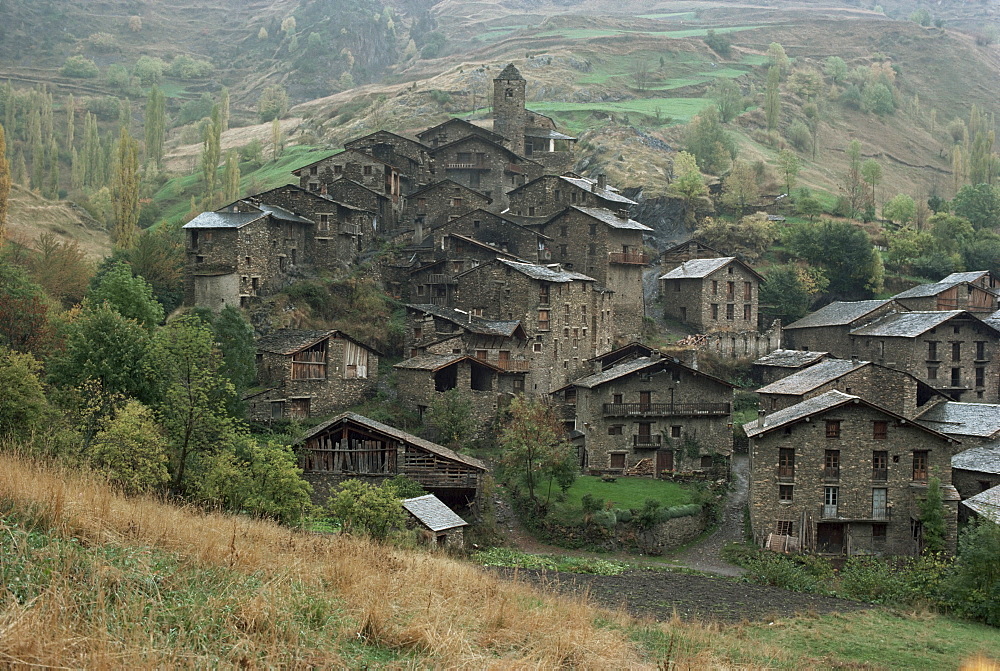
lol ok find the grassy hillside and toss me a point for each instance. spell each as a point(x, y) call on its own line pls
point(31, 215)
point(116, 581)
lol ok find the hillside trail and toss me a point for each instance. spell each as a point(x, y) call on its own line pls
point(703, 555)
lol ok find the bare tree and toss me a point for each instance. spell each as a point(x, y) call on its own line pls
point(640, 75)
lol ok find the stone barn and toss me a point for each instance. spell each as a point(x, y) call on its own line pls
point(439, 524)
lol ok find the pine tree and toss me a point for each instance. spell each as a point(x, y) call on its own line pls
point(772, 97)
point(231, 177)
point(4, 183)
point(156, 124)
point(211, 152)
point(70, 121)
point(125, 191)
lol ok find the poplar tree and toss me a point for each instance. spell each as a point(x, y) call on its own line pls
point(91, 152)
point(156, 123)
point(9, 110)
point(20, 175)
point(211, 152)
point(125, 191)
point(70, 121)
point(52, 178)
point(224, 108)
point(4, 182)
point(231, 177)
point(37, 150)
point(276, 139)
point(772, 97)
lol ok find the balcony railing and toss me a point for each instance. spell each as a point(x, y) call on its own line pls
point(513, 365)
point(663, 409)
point(515, 168)
point(829, 512)
point(350, 229)
point(786, 472)
point(441, 301)
point(634, 258)
point(647, 441)
point(437, 278)
point(474, 165)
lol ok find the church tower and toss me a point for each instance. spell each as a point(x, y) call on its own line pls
point(509, 114)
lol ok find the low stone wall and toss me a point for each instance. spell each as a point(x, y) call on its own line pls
point(665, 535)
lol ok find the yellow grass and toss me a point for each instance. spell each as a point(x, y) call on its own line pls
point(441, 611)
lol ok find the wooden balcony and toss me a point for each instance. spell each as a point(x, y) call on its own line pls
point(515, 168)
point(647, 441)
point(350, 229)
point(475, 165)
point(629, 258)
point(664, 409)
point(512, 365)
point(440, 279)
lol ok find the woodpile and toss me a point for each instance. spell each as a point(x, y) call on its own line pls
point(641, 467)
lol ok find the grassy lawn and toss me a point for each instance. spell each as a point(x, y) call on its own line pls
point(675, 16)
point(626, 493)
point(679, 109)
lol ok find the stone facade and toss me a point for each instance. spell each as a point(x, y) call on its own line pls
point(410, 157)
point(453, 130)
point(953, 295)
point(720, 294)
point(953, 352)
point(484, 166)
point(651, 408)
point(422, 379)
point(387, 212)
point(434, 205)
point(567, 317)
point(686, 251)
point(843, 476)
point(550, 194)
point(311, 374)
point(829, 328)
point(360, 168)
point(499, 232)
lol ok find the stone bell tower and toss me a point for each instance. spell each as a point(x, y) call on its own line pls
point(509, 114)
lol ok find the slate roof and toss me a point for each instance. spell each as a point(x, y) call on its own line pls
point(435, 362)
point(993, 320)
point(634, 366)
point(486, 246)
point(312, 194)
point(398, 434)
point(634, 345)
point(905, 324)
point(224, 219)
point(510, 73)
point(814, 376)
point(970, 276)
point(684, 246)
point(590, 185)
point(790, 358)
point(537, 272)
point(462, 122)
point(547, 134)
point(985, 459)
point(697, 268)
point(925, 290)
point(450, 183)
point(289, 341)
point(611, 219)
point(474, 325)
point(964, 419)
point(986, 504)
point(839, 313)
point(283, 214)
point(433, 513)
point(819, 404)
point(493, 143)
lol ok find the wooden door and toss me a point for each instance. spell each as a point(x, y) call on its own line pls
point(664, 461)
point(830, 537)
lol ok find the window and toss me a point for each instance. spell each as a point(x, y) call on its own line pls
point(831, 464)
point(786, 462)
point(616, 399)
point(715, 287)
point(367, 170)
point(956, 351)
point(677, 285)
point(880, 508)
point(747, 312)
point(277, 409)
point(715, 311)
point(956, 377)
point(919, 464)
point(617, 461)
point(784, 528)
point(570, 393)
point(310, 363)
point(563, 231)
point(730, 290)
point(878, 531)
point(543, 320)
point(880, 429)
point(616, 429)
point(531, 211)
point(299, 408)
point(785, 492)
point(338, 169)
point(593, 229)
point(747, 291)
point(675, 432)
point(932, 373)
point(313, 170)
point(958, 330)
point(932, 354)
point(980, 376)
point(730, 311)
point(830, 497)
point(536, 347)
point(562, 250)
point(833, 428)
point(980, 350)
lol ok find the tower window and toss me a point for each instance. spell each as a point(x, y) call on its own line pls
point(508, 93)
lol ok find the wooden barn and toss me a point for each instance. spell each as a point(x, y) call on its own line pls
point(353, 446)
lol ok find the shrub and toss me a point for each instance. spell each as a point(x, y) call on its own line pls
point(798, 134)
point(103, 42)
point(185, 67)
point(718, 43)
point(149, 70)
point(80, 67)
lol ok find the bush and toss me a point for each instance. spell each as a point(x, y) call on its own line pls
point(185, 67)
point(149, 70)
point(718, 43)
point(80, 67)
point(106, 107)
point(798, 134)
point(103, 42)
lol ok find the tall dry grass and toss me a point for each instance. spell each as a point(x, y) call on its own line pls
point(422, 607)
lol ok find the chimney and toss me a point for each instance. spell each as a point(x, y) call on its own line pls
point(602, 181)
point(322, 189)
point(593, 187)
point(623, 214)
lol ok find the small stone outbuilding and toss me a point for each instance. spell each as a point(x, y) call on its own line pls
point(440, 525)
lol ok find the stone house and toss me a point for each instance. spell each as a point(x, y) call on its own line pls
point(550, 194)
point(387, 212)
point(484, 166)
point(530, 134)
point(351, 446)
point(712, 294)
point(607, 246)
point(953, 294)
point(242, 251)
point(674, 256)
point(359, 167)
point(440, 526)
point(985, 505)
point(410, 157)
point(455, 129)
point(837, 474)
point(984, 279)
point(438, 330)
point(310, 374)
point(633, 350)
point(566, 315)
point(828, 329)
point(896, 390)
point(782, 363)
point(952, 351)
point(342, 231)
point(498, 232)
point(438, 203)
point(652, 408)
point(423, 378)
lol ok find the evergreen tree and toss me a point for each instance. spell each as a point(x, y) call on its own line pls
point(125, 191)
point(4, 184)
point(772, 97)
point(156, 123)
point(231, 177)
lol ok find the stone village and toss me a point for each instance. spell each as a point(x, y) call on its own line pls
point(520, 276)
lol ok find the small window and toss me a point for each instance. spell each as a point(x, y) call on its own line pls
point(980, 350)
point(831, 464)
point(920, 465)
point(616, 399)
point(715, 311)
point(277, 409)
point(932, 372)
point(367, 170)
point(878, 531)
point(616, 429)
point(880, 430)
point(784, 528)
point(730, 311)
point(833, 428)
point(956, 377)
point(785, 492)
point(956, 351)
point(715, 287)
point(980, 376)
point(536, 347)
point(617, 461)
point(675, 431)
point(932, 351)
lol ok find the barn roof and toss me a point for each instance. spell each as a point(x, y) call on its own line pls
point(906, 324)
point(433, 513)
point(984, 459)
point(608, 217)
point(926, 290)
point(635, 366)
point(790, 358)
point(986, 504)
point(839, 313)
point(289, 341)
point(804, 381)
point(435, 362)
point(224, 219)
point(398, 434)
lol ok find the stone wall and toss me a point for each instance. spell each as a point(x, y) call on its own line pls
point(733, 345)
point(726, 300)
point(434, 206)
